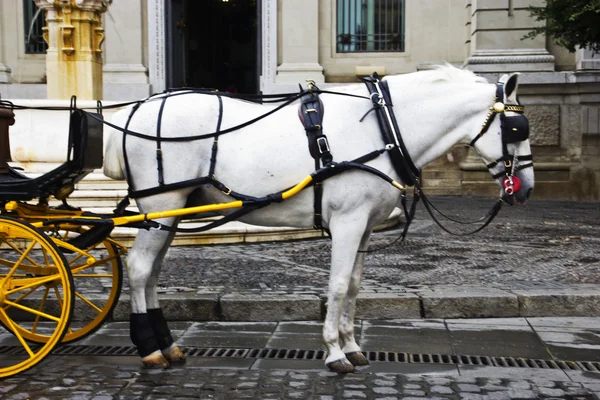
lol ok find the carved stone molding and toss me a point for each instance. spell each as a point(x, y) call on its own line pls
point(588, 59)
point(74, 34)
point(511, 59)
point(4, 73)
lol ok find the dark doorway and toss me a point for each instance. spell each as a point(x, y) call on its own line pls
point(220, 45)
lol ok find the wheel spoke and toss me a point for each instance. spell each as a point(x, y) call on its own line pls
point(37, 282)
point(40, 308)
point(77, 257)
point(93, 276)
point(88, 302)
point(24, 295)
point(16, 332)
point(15, 248)
point(58, 297)
point(32, 311)
point(46, 259)
point(16, 265)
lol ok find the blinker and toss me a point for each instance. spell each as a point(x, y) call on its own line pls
point(515, 128)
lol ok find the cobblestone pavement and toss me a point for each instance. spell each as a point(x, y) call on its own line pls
point(547, 243)
point(87, 381)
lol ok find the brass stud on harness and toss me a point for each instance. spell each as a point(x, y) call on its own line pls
point(498, 107)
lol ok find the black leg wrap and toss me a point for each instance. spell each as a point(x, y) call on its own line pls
point(142, 335)
point(162, 333)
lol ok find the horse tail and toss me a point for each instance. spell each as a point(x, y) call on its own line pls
point(113, 151)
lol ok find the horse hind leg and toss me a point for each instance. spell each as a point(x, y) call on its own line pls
point(161, 330)
point(346, 330)
point(346, 239)
point(148, 329)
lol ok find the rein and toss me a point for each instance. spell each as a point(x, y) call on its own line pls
point(405, 168)
point(394, 145)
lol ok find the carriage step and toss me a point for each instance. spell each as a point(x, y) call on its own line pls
point(319, 355)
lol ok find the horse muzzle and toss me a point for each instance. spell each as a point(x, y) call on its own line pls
point(513, 192)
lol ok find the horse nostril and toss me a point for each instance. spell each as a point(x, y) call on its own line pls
point(529, 192)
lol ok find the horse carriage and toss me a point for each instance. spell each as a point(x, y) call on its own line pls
point(188, 152)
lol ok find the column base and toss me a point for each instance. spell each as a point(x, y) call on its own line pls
point(299, 73)
point(4, 73)
point(510, 61)
point(125, 73)
point(586, 60)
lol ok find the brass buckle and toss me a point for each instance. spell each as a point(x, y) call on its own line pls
point(507, 163)
point(498, 107)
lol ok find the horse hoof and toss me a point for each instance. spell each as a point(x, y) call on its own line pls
point(174, 355)
point(155, 361)
point(357, 359)
point(343, 366)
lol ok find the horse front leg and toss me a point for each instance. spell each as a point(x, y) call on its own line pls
point(346, 238)
point(145, 255)
point(161, 330)
point(351, 349)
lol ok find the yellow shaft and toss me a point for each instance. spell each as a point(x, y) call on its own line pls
point(201, 209)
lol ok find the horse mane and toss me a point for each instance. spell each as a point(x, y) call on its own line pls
point(444, 73)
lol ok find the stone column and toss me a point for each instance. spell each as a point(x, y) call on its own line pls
point(299, 43)
point(496, 31)
point(4, 69)
point(74, 35)
point(587, 59)
point(124, 71)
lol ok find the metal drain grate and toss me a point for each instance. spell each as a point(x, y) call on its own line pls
point(298, 354)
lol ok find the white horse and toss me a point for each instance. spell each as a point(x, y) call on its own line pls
point(434, 109)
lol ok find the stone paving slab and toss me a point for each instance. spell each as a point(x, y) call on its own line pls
point(457, 302)
point(261, 307)
point(535, 261)
point(431, 302)
point(234, 380)
point(573, 302)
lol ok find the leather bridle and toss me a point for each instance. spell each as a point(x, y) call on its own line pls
point(514, 128)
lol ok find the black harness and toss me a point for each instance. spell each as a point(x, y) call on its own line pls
point(379, 93)
point(311, 114)
point(514, 128)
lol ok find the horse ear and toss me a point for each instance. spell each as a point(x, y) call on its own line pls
point(510, 87)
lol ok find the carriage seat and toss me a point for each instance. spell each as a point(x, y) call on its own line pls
point(83, 156)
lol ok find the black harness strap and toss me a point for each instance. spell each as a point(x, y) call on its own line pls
point(382, 104)
point(311, 114)
point(159, 159)
point(125, 202)
point(215, 146)
point(190, 183)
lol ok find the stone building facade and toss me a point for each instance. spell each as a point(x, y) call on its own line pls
point(270, 46)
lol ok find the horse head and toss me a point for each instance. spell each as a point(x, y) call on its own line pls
point(503, 143)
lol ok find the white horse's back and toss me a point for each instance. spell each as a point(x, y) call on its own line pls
point(263, 158)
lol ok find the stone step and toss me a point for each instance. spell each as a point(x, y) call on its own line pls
point(238, 232)
point(440, 174)
point(442, 190)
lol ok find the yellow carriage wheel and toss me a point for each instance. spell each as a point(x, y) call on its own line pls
point(35, 295)
point(97, 283)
